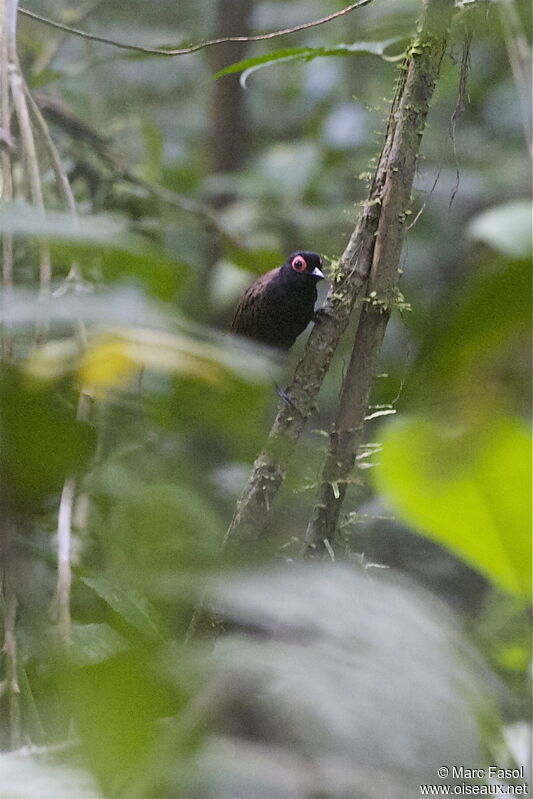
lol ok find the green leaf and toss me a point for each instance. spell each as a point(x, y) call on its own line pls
point(101, 238)
point(115, 704)
point(506, 228)
point(124, 305)
point(472, 334)
point(250, 65)
point(467, 489)
point(99, 229)
point(41, 441)
point(155, 528)
point(135, 609)
point(44, 78)
point(94, 643)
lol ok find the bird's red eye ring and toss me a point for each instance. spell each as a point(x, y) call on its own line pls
point(299, 264)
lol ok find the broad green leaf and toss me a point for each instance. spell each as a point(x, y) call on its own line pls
point(103, 240)
point(102, 229)
point(115, 355)
point(250, 65)
point(124, 305)
point(135, 609)
point(467, 489)
point(115, 704)
point(469, 338)
point(41, 441)
point(118, 354)
point(160, 527)
point(93, 643)
point(506, 228)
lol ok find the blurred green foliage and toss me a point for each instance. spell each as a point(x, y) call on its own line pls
point(468, 488)
point(349, 673)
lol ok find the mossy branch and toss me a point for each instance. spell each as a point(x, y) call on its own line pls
point(423, 66)
point(375, 243)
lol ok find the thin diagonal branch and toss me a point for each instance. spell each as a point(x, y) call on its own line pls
point(66, 504)
point(64, 531)
point(62, 181)
point(64, 572)
point(16, 83)
point(193, 48)
point(7, 179)
point(8, 581)
point(350, 276)
point(50, 48)
point(57, 113)
point(8, 594)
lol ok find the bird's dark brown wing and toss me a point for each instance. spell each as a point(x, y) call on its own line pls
point(247, 314)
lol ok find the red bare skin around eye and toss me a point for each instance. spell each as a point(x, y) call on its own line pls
point(299, 264)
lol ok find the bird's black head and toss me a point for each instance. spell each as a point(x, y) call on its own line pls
point(304, 264)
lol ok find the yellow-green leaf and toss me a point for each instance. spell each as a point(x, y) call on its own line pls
point(466, 488)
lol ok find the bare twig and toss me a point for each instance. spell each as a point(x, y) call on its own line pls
point(62, 181)
point(349, 278)
point(424, 204)
point(7, 259)
point(64, 539)
point(460, 105)
point(423, 68)
point(28, 143)
point(64, 575)
point(66, 504)
point(7, 559)
point(193, 48)
point(50, 48)
point(16, 84)
point(9, 612)
point(63, 117)
point(7, 179)
point(63, 184)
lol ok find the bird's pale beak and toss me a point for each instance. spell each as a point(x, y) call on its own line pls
point(317, 273)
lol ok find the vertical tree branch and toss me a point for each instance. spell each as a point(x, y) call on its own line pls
point(63, 185)
point(66, 503)
point(64, 539)
point(9, 608)
point(62, 182)
point(7, 560)
point(32, 164)
point(349, 277)
point(6, 144)
point(423, 66)
point(64, 574)
point(16, 84)
point(228, 122)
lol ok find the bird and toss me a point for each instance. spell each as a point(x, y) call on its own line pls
point(279, 305)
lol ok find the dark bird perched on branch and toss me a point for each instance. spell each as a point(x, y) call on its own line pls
point(279, 305)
